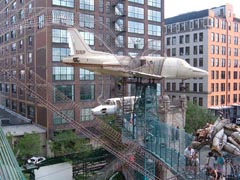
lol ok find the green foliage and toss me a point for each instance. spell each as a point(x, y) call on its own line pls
point(67, 142)
point(27, 146)
point(197, 117)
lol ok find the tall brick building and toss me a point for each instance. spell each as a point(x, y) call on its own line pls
point(34, 39)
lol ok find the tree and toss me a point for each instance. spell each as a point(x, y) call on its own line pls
point(27, 146)
point(67, 142)
point(197, 117)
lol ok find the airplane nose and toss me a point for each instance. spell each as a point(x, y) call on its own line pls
point(198, 73)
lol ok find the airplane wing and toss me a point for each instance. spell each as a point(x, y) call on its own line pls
point(145, 75)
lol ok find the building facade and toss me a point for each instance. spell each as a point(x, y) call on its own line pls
point(207, 39)
point(33, 41)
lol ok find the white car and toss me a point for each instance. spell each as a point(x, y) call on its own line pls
point(36, 160)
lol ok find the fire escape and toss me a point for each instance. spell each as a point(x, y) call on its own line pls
point(119, 26)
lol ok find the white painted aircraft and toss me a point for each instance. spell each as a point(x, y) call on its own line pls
point(124, 66)
point(112, 105)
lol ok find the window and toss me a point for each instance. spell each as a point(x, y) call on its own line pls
point(195, 50)
point(63, 73)
point(59, 120)
point(88, 37)
point(63, 93)
point(86, 74)
point(223, 38)
point(195, 37)
point(187, 38)
point(187, 50)
point(217, 37)
point(217, 62)
point(168, 86)
point(200, 37)
point(140, 1)
point(235, 40)
point(30, 111)
point(174, 52)
point(135, 12)
point(212, 87)
point(154, 15)
point(223, 62)
point(22, 108)
point(200, 101)
point(21, 14)
point(174, 87)
point(101, 6)
point(195, 87)
point(200, 62)
point(222, 86)
point(59, 53)
point(181, 51)
point(200, 87)
point(86, 20)
point(223, 50)
point(86, 114)
point(135, 27)
point(154, 44)
point(154, 3)
point(65, 3)
point(201, 49)
point(174, 40)
point(14, 88)
point(181, 39)
point(212, 100)
point(30, 40)
point(195, 62)
point(62, 17)
point(30, 57)
point(212, 49)
point(136, 43)
point(87, 92)
point(212, 62)
point(154, 30)
point(59, 36)
point(222, 74)
point(87, 5)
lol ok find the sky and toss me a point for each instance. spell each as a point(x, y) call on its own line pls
point(176, 7)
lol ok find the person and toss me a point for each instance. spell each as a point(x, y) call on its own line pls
point(212, 173)
point(188, 153)
point(220, 164)
point(195, 163)
point(210, 160)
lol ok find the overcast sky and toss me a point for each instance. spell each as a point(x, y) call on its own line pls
point(176, 7)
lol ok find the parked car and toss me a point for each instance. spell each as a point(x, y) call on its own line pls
point(36, 160)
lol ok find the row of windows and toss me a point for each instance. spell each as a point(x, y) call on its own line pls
point(195, 100)
point(196, 87)
point(221, 99)
point(185, 51)
point(222, 50)
point(201, 23)
point(217, 87)
point(87, 92)
point(62, 93)
point(22, 108)
point(215, 37)
point(154, 3)
point(222, 75)
point(197, 37)
point(216, 62)
point(85, 115)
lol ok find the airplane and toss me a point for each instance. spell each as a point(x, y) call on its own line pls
point(110, 64)
point(112, 105)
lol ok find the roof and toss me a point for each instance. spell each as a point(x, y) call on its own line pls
point(19, 130)
point(187, 16)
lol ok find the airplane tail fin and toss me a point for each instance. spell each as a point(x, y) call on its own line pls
point(76, 43)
